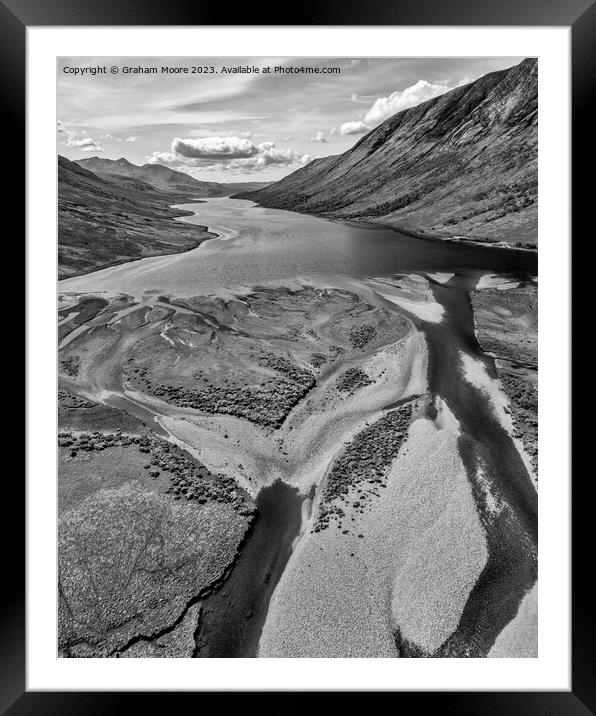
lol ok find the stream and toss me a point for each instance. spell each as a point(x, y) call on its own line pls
point(266, 245)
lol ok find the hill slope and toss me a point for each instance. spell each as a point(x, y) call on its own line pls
point(463, 164)
point(106, 220)
point(155, 174)
point(164, 178)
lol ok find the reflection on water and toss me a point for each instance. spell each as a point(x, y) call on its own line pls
point(259, 245)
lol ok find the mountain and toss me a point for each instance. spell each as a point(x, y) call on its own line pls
point(461, 165)
point(109, 219)
point(154, 174)
point(165, 178)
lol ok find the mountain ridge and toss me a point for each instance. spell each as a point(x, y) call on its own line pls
point(462, 165)
point(163, 177)
point(104, 220)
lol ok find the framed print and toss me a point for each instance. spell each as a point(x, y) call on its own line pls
point(298, 321)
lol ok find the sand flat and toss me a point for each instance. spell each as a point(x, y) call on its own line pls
point(520, 636)
point(344, 595)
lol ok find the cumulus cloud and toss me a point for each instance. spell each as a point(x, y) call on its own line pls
point(333, 130)
point(318, 137)
point(82, 143)
point(385, 107)
point(357, 127)
point(163, 158)
point(78, 140)
point(268, 158)
point(234, 154)
point(271, 156)
point(131, 139)
point(224, 148)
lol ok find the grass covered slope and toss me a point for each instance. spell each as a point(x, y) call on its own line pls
point(103, 221)
point(460, 165)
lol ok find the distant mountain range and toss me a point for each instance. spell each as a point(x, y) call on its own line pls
point(165, 178)
point(112, 211)
point(463, 164)
point(109, 219)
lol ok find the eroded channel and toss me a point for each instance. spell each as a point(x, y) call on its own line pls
point(232, 618)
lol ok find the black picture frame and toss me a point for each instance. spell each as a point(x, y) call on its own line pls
point(15, 17)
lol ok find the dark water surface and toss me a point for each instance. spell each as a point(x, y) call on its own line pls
point(232, 618)
point(261, 245)
point(484, 445)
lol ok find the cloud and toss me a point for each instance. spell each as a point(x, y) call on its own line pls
point(78, 140)
point(131, 139)
point(359, 100)
point(385, 107)
point(318, 137)
point(273, 156)
point(333, 130)
point(246, 135)
point(163, 158)
point(224, 148)
point(266, 159)
point(234, 154)
point(85, 144)
point(357, 127)
point(81, 143)
point(92, 148)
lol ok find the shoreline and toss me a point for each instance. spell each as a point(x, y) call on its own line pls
point(119, 262)
point(233, 615)
point(367, 223)
point(363, 223)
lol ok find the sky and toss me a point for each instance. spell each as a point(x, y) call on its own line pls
point(230, 126)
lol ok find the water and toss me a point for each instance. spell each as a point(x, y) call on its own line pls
point(232, 618)
point(484, 444)
point(259, 245)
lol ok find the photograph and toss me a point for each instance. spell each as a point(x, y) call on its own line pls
point(297, 357)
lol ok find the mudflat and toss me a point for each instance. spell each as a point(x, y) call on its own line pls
point(189, 409)
point(246, 391)
point(506, 319)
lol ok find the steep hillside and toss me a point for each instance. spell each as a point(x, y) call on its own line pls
point(460, 165)
point(106, 220)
